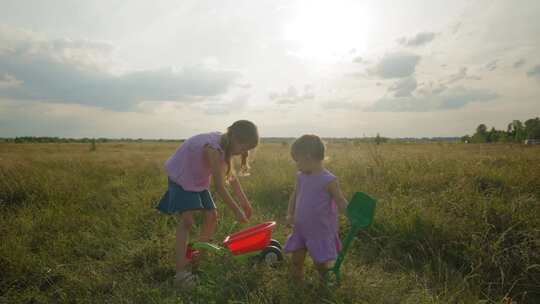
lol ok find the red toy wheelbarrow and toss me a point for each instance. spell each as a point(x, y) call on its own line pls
point(255, 241)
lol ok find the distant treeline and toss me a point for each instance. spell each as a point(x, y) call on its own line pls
point(47, 139)
point(378, 138)
point(279, 140)
point(516, 131)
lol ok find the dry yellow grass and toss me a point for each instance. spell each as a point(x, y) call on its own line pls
point(455, 224)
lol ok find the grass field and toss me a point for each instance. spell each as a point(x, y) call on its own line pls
point(455, 223)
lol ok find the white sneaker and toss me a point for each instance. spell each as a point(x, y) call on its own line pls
point(185, 279)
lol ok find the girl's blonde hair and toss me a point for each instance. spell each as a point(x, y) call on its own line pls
point(244, 132)
point(308, 144)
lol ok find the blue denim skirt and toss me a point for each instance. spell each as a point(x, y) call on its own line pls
point(178, 200)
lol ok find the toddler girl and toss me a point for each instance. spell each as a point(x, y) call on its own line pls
point(313, 208)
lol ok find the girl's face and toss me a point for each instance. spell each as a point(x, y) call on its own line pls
point(239, 148)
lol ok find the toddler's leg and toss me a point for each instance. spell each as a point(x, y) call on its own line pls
point(322, 268)
point(182, 234)
point(297, 270)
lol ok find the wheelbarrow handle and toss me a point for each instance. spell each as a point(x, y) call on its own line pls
point(209, 247)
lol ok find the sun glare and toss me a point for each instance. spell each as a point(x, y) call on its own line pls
point(324, 32)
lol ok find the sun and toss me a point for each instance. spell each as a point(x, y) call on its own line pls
point(324, 31)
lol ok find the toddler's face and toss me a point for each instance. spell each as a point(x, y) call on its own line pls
point(304, 163)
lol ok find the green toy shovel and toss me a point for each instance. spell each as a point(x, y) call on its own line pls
point(360, 212)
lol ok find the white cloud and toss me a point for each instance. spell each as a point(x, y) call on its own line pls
point(445, 99)
point(396, 65)
point(358, 59)
point(418, 40)
point(116, 62)
point(404, 87)
point(292, 96)
point(492, 65)
point(340, 104)
point(534, 72)
point(7, 80)
point(519, 63)
point(235, 105)
point(69, 71)
point(460, 75)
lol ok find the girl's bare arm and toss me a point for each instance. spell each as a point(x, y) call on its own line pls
point(214, 159)
point(244, 202)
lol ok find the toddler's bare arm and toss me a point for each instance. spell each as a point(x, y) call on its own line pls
point(335, 191)
point(291, 207)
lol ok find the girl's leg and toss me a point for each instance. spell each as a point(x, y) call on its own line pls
point(297, 270)
point(182, 234)
point(208, 225)
point(207, 233)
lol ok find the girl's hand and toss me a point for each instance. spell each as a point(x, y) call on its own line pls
point(244, 202)
point(214, 158)
point(240, 216)
point(246, 206)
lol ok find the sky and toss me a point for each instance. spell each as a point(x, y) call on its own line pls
point(172, 69)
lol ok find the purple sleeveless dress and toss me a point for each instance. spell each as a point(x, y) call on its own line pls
point(315, 218)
